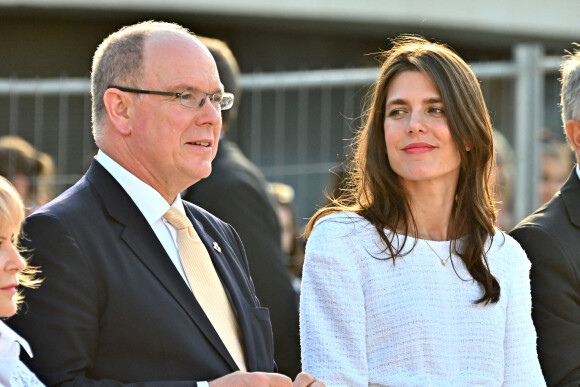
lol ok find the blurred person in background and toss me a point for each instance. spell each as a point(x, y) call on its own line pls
point(13, 273)
point(504, 180)
point(407, 281)
point(557, 160)
point(292, 243)
point(551, 238)
point(31, 171)
point(237, 193)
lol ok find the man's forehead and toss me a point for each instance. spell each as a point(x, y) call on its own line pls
point(168, 39)
point(179, 58)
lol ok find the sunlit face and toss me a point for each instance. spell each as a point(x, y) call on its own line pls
point(175, 144)
point(11, 263)
point(419, 144)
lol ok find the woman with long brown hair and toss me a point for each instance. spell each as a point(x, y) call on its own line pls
point(406, 279)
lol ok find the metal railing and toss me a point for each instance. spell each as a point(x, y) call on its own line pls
point(294, 125)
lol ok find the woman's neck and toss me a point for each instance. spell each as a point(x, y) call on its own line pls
point(431, 206)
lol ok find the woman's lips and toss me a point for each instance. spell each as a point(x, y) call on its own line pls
point(10, 288)
point(418, 148)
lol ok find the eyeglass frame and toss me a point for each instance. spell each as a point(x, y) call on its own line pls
point(225, 95)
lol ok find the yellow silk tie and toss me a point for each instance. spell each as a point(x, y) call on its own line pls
point(206, 285)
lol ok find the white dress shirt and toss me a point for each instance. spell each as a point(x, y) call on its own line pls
point(12, 371)
point(153, 206)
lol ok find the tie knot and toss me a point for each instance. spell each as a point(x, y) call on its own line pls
point(177, 219)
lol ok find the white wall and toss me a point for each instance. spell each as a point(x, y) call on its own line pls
point(549, 19)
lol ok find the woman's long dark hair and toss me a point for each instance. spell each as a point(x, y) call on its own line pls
point(374, 191)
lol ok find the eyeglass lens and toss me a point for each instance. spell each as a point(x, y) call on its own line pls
point(194, 98)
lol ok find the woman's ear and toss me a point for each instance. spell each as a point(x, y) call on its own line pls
point(467, 145)
point(118, 106)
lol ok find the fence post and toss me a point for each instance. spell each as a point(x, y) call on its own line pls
point(529, 118)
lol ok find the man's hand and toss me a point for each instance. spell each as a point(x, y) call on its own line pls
point(306, 380)
point(262, 379)
point(253, 379)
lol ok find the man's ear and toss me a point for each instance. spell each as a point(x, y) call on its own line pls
point(573, 134)
point(118, 106)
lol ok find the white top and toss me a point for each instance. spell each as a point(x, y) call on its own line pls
point(12, 371)
point(365, 321)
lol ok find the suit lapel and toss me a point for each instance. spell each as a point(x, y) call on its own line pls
point(571, 196)
point(141, 239)
point(220, 253)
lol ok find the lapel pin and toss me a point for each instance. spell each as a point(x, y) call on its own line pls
point(217, 247)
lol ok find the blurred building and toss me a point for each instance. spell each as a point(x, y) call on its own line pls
point(294, 133)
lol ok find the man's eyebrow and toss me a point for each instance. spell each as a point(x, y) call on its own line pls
point(189, 88)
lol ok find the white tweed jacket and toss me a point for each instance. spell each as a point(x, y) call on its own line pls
point(368, 322)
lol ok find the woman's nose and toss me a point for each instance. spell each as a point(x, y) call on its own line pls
point(15, 262)
point(416, 123)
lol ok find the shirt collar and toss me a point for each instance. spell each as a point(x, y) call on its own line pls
point(578, 170)
point(148, 200)
point(6, 333)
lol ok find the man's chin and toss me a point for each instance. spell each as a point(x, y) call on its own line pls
point(201, 171)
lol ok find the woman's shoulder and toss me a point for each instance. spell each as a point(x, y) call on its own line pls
point(342, 221)
point(503, 241)
point(338, 228)
point(507, 250)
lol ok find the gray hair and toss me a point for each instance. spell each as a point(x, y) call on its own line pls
point(570, 94)
point(119, 61)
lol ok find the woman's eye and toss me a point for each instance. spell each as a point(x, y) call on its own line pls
point(396, 112)
point(436, 110)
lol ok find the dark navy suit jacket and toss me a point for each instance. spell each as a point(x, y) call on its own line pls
point(113, 308)
point(236, 192)
point(551, 238)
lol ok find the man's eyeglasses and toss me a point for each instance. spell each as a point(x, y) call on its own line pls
point(189, 98)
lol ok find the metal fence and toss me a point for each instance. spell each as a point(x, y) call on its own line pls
point(295, 126)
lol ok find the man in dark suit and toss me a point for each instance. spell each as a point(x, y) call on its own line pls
point(236, 193)
point(551, 238)
point(116, 306)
